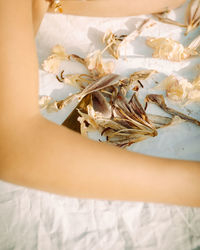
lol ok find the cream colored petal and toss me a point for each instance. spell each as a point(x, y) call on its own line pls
point(44, 101)
point(193, 15)
point(51, 65)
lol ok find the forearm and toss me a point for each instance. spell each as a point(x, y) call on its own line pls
point(55, 159)
point(39, 8)
point(113, 8)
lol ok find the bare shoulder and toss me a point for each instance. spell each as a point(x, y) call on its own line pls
point(114, 8)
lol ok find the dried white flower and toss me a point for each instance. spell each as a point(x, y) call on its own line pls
point(52, 63)
point(97, 66)
point(114, 42)
point(193, 15)
point(180, 89)
point(44, 101)
point(166, 48)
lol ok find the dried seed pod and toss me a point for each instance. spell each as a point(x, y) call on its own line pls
point(166, 48)
point(192, 15)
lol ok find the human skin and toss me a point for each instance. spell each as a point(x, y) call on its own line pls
point(40, 154)
point(117, 8)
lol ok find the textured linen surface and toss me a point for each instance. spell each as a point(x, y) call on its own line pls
point(31, 219)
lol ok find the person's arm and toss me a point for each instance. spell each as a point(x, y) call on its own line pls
point(37, 153)
point(117, 8)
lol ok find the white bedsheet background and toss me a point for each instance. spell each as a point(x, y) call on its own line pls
point(31, 219)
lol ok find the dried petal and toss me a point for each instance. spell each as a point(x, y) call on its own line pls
point(97, 66)
point(176, 87)
point(166, 48)
point(194, 93)
point(112, 41)
point(52, 107)
point(160, 101)
point(195, 44)
point(115, 42)
point(102, 83)
point(193, 15)
point(52, 63)
point(44, 101)
point(77, 80)
point(164, 19)
point(142, 75)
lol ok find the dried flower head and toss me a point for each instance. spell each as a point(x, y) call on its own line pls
point(114, 42)
point(180, 90)
point(176, 87)
point(52, 63)
point(95, 64)
point(166, 48)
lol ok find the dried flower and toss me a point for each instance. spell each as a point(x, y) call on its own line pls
point(194, 93)
point(52, 63)
point(180, 90)
point(114, 42)
point(166, 48)
point(44, 101)
point(176, 87)
point(192, 15)
point(95, 64)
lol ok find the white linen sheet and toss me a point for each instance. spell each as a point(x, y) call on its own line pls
point(31, 219)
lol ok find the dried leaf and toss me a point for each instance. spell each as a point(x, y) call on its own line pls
point(102, 83)
point(162, 18)
point(160, 101)
point(192, 15)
